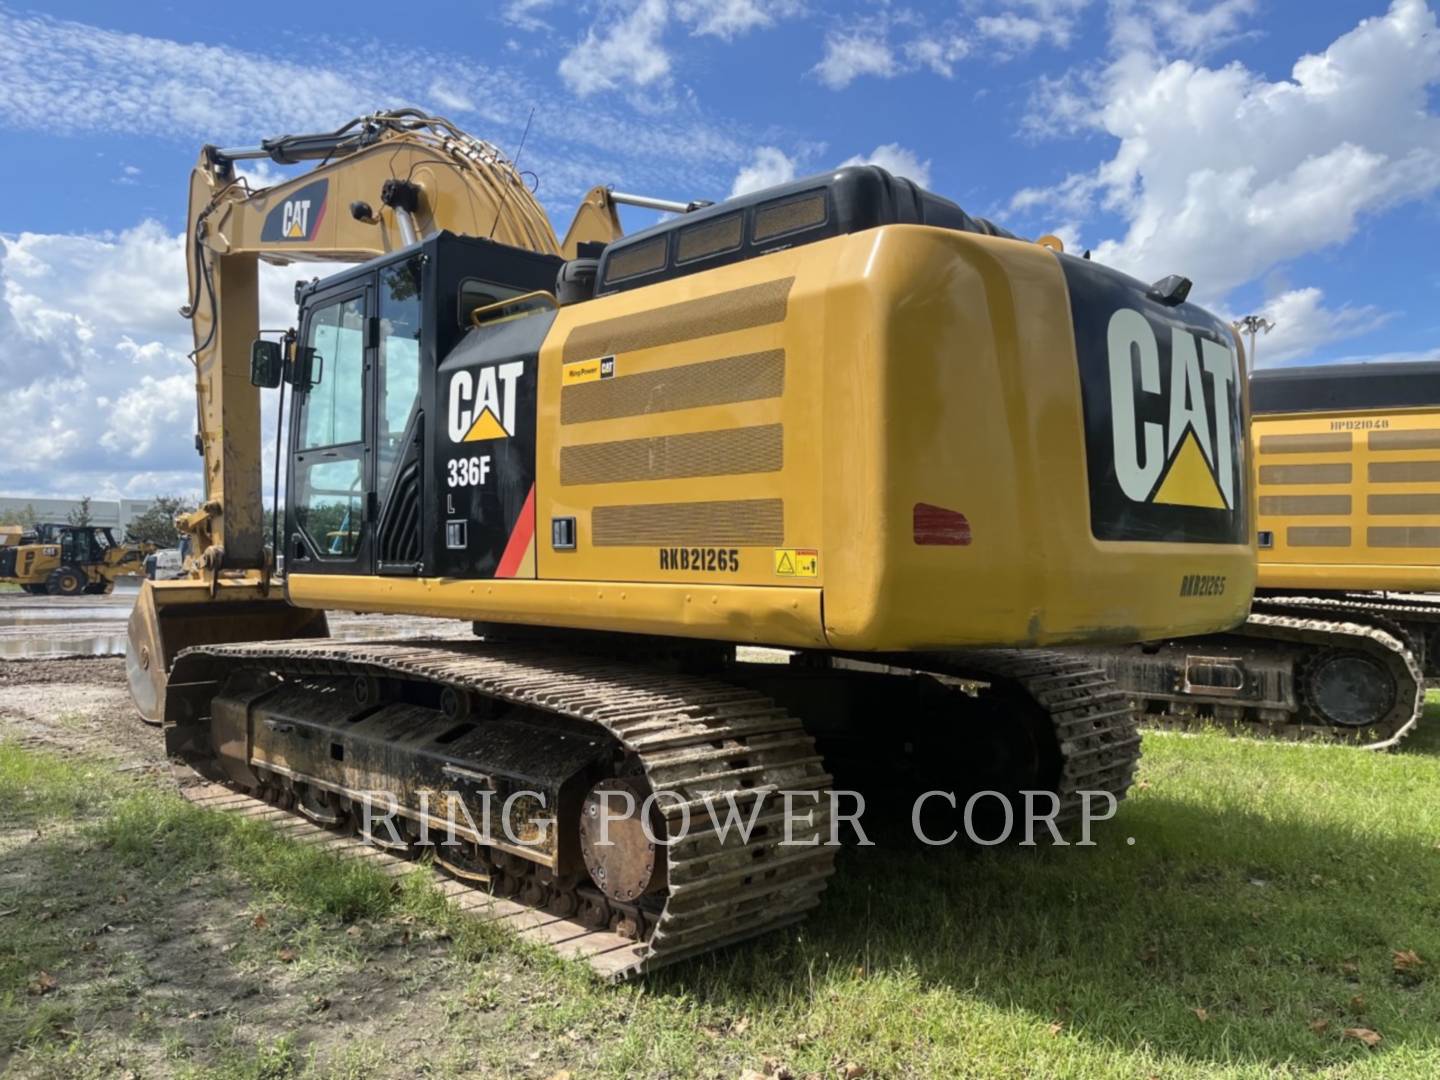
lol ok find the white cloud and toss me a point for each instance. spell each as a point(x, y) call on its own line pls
point(449, 98)
point(95, 365)
point(727, 19)
point(940, 56)
point(849, 56)
point(890, 42)
point(1060, 105)
point(260, 174)
point(73, 78)
point(1178, 24)
point(152, 409)
point(1221, 174)
point(1012, 33)
point(769, 167)
point(1303, 324)
point(523, 14)
point(1023, 24)
point(627, 50)
point(897, 160)
point(625, 46)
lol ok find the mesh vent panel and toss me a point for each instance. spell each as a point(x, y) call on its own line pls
point(751, 377)
point(668, 457)
point(740, 522)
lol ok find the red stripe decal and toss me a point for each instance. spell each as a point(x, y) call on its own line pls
point(520, 538)
point(319, 217)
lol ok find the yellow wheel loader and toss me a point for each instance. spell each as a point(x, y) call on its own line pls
point(70, 560)
point(840, 417)
point(1342, 635)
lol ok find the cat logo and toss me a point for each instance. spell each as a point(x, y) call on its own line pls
point(1184, 456)
point(482, 402)
point(296, 219)
point(299, 216)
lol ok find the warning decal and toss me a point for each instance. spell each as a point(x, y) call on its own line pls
point(797, 562)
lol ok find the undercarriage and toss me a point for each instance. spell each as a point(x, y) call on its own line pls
point(1340, 668)
point(607, 794)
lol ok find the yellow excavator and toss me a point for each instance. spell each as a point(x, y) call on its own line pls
point(1342, 634)
point(839, 417)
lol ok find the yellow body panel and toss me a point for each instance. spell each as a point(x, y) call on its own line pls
point(773, 616)
point(917, 366)
point(1351, 500)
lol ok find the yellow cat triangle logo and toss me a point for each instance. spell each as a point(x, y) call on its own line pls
point(1188, 482)
point(486, 426)
point(294, 232)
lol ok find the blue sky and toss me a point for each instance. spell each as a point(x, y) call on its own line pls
point(1283, 155)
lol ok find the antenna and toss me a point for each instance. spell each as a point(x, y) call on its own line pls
point(515, 166)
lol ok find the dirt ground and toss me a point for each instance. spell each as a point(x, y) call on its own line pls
point(77, 704)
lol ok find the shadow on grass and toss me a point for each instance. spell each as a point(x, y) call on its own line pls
point(1267, 925)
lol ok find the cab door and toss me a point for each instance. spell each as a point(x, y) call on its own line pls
point(329, 508)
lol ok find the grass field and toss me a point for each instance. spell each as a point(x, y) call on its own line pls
point(1271, 901)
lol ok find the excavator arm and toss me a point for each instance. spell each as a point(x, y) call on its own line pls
point(383, 182)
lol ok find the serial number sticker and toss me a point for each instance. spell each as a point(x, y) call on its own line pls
point(583, 371)
point(708, 560)
point(1358, 425)
point(1202, 585)
point(797, 562)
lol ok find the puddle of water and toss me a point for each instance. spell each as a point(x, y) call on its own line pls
point(41, 615)
point(38, 646)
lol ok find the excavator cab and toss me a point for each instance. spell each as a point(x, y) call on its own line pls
point(368, 351)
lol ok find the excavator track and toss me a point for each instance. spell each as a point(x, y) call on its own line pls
point(694, 739)
point(1291, 676)
point(1417, 616)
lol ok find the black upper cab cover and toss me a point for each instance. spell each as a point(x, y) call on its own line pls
point(844, 201)
point(1345, 387)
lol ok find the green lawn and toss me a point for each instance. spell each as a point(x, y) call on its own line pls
point(1254, 919)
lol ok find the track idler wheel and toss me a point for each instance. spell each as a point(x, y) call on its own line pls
point(624, 862)
point(1349, 689)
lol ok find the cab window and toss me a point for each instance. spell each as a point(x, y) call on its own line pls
point(332, 413)
point(399, 363)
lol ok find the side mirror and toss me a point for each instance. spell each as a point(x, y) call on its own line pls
point(267, 363)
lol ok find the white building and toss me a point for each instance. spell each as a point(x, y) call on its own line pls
point(116, 513)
